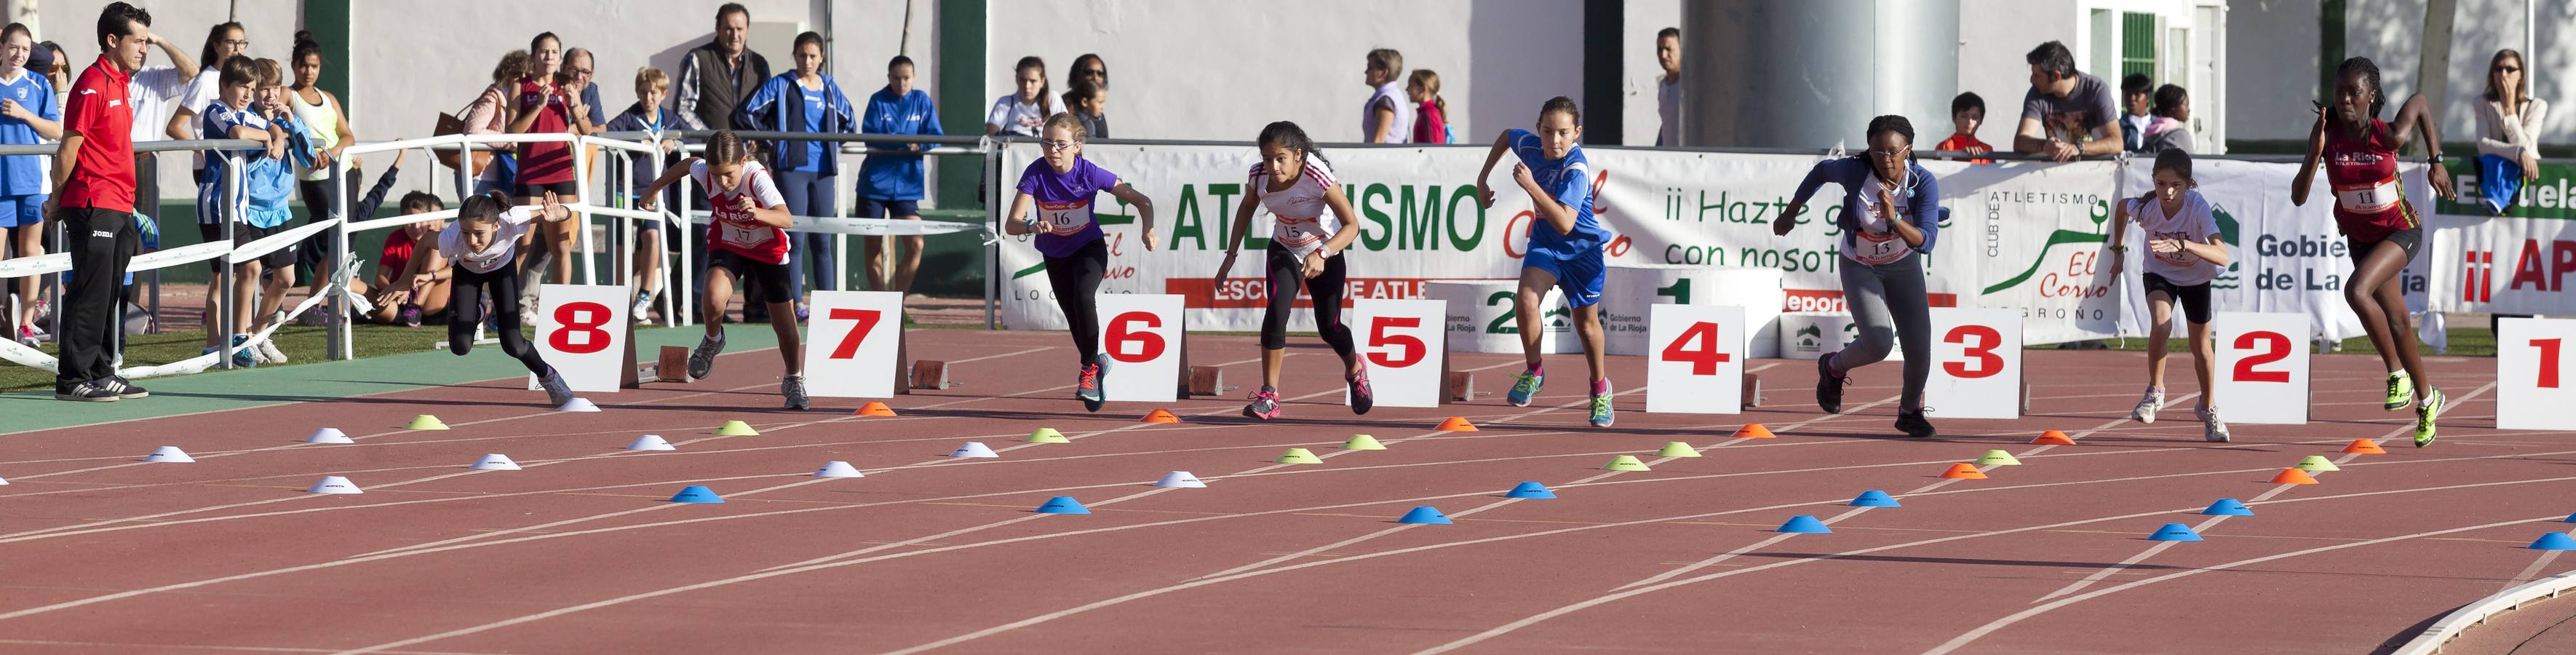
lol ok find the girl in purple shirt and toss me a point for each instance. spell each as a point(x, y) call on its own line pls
point(1062, 186)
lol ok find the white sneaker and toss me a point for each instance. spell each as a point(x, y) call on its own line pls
point(643, 305)
point(268, 350)
point(2211, 428)
point(2147, 406)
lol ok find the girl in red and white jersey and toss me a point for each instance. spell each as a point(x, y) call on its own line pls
point(747, 240)
point(2359, 153)
point(1309, 233)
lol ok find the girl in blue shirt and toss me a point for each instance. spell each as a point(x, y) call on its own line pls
point(890, 178)
point(804, 100)
point(1564, 243)
point(29, 114)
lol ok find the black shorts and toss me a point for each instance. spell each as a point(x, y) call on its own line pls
point(770, 279)
point(874, 208)
point(243, 234)
point(538, 191)
point(2411, 239)
point(2194, 298)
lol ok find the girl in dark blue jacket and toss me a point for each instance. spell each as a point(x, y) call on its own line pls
point(804, 100)
point(1891, 214)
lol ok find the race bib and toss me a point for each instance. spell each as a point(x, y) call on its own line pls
point(1065, 218)
point(1876, 249)
point(739, 235)
point(2367, 197)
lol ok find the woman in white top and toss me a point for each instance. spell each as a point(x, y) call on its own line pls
point(1308, 234)
point(2184, 252)
point(1024, 113)
point(2508, 132)
point(1383, 119)
point(484, 240)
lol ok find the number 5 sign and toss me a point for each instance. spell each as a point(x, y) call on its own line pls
point(1976, 363)
point(1402, 340)
point(581, 331)
point(1140, 344)
point(2533, 390)
point(854, 344)
point(2262, 367)
point(1697, 362)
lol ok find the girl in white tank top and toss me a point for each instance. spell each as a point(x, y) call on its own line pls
point(1307, 237)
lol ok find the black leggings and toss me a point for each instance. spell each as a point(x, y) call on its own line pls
point(466, 300)
point(1076, 280)
point(1287, 271)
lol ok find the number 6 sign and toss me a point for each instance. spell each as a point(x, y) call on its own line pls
point(581, 331)
point(1696, 362)
point(1402, 340)
point(1976, 363)
point(854, 344)
point(1140, 344)
point(2533, 390)
point(2262, 367)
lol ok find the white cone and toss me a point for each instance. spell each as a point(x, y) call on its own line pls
point(578, 404)
point(333, 484)
point(496, 462)
point(4, 482)
point(328, 435)
point(650, 442)
point(839, 469)
point(973, 449)
point(170, 454)
point(1181, 479)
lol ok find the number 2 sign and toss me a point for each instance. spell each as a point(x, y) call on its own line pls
point(1695, 361)
point(1976, 363)
point(854, 344)
point(1402, 342)
point(2262, 367)
point(2533, 388)
point(1140, 344)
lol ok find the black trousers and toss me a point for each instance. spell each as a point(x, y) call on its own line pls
point(466, 299)
point(1287, 273)
point(1076, 280)
point(100, 242)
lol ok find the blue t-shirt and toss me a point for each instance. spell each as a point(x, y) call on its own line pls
point(895, 176)
point(1569, 181)
point(815, 109)
point(1064, 208)
point(24, 175)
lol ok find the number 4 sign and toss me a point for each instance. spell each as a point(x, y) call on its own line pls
point(1402, 340)
point(2262, 367)
point(1976, 363)
point(854, 344)
point(2533, 390)
point(1697, 365)
point(581, 331)
point(1140, 344)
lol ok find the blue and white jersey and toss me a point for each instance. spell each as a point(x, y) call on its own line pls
point(1569, 181)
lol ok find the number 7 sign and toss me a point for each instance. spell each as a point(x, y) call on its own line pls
point(1696, 362)
point(2533, 389)
point(2262, 367)
point(854, 344)
point(1402, 342)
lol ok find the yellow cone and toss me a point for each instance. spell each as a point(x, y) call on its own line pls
point(1677, 449)
point(1047, 435)
point(2317, 463)
point(1998, 458)
point(1625, 463)
point(425, 422)
point(1363, 442)
point(1299, 456)
point(736, 429)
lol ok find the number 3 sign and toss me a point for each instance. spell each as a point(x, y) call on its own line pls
point(2262, 367)
point(1976, 363)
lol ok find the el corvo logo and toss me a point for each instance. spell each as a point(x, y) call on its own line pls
point(2101, 214)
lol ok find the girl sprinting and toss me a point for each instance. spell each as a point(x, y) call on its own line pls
point(1307, 237)
point(1890, 220)
point(746, 241)
point(2359, 154)
point(484, 242)
point(1564, 243)
point(2184, 251)
point(1062, 185)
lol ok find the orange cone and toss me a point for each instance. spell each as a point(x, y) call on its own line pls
point(2293, 476)
point(1964, 471)
point(2053, 438)
point(874, 408)
point(1161, 416)
point(2364, 446)
point(1457, 424)
point(1754, 431)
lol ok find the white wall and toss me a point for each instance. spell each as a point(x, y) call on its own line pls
point(1994, 35)
point(2271, 68)
point(1186, 69)
point(1638, 72)
point(2390, 32)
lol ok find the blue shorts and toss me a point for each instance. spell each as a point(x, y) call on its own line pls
point(874, 208)
point(22, 211)
point(1580, 276)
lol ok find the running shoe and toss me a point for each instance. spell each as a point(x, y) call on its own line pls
point(1362, 397)
point(2147, 406)
point(1265, 404)
point(794, 389)
point(1914, 425)
point(2212, 429)
point(244, 356)
point(643, 304)
point(1829, 385)
point(27, 337)
point(124, 390)
point(702, 361)
point(803, 312)
point(1524, 388)
point(410, 315)
point(1602, 415)
point(268, 349)
point(88, 392)
point(557, 391)
point(1087, 388)
point(2401, 391)
point(2424, 415)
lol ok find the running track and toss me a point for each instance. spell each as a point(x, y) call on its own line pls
point(580, 553)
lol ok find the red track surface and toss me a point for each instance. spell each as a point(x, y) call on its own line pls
point(580, 553)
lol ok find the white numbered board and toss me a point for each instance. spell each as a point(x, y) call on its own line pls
point(1976, 364)
point(1696, 361)
point(2262, 367)
point(1484, 316)
point(1140, 342)
point(1401, 341)
point(2533, 384)
point(581, 331)
point(854, 344)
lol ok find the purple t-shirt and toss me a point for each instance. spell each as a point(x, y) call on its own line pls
point(1064, 204)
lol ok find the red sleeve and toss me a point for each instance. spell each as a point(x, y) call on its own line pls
point(84, 111)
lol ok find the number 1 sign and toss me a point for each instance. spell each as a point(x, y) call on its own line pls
point(1696, 363)
point(2533, 389)
point(1976, 363)
point(2262, 367)
point(855, 342)
point(1402, 342)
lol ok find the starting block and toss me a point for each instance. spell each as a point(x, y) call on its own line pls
point(1752, 390)
point(1462, 386)
point(1206, 381)
point(674, 366)
point(929, 374)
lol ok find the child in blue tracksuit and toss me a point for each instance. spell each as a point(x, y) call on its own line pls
point(890, 178)
point(803, 100)
point(250, 106)
point(1564, 243)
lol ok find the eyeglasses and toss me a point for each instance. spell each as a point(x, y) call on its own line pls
point(578, 72)
point(1057, 146)
point(1888, 154)
point(238, 43)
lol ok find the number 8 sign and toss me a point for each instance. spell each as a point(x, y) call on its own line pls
point(581, 331)
point(1697, 362)
point(2533, 390)
point(2262, 367)
point(1401, 339)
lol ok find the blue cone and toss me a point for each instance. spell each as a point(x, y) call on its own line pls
point(2554, 541)
point(1425, 514)
point(1874, 498)
point(1530, 490)
point(2228, 507)
point(2571, 518)
point(1063, 505)
point(697, 493)
point(2174, 532)
point(1804, 524)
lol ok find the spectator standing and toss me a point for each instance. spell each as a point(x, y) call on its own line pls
point(2169, 125)
point(2134, 91)
point(318, 111)
point(490, 114)
point(804, 100)
point(223, 41)
point(1383, 119)
point(153, 93)
point(2509, 122)
point(28, 116)
point(1090, 67)
point(890, 179)
point(547, 105)
point(1089, 104)
point(1967, 113)
point(2067, 113)
point(652, 87)
point(716, 77)
point(1668, 89)
point(1430, 112)
point(94, 181)
point(1024, 112)
point(579, 66)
